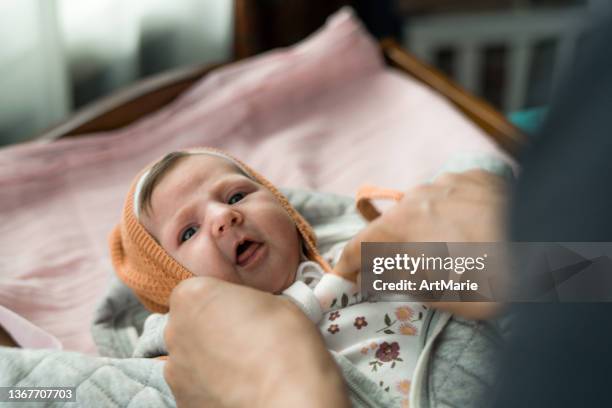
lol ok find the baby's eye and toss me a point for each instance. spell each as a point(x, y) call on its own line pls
point(235, 198)
point(188, 233)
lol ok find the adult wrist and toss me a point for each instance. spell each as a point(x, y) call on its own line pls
point(308, 389)
point(302, 373)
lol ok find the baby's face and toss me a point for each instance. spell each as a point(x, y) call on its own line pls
point(217, 222)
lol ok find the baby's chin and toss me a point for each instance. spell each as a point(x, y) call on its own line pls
point(289, 280)
point(274, 283)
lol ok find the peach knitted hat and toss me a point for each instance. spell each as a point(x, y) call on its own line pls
point(144, 266)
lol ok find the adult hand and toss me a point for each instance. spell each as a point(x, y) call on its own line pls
point(463, 207)
point(233, 346)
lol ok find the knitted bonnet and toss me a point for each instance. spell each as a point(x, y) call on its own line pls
point(144, 266)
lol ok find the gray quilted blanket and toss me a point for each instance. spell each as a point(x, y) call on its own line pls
point(99, 381)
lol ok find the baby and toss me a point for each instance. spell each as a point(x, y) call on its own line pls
point(219, 222)
point(203, 213)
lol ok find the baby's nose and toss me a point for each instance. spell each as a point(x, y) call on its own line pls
point(226, 218)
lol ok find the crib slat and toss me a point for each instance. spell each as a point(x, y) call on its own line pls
point(516, 86)
point(468, 67)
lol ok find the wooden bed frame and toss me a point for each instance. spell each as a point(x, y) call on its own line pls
point(149, 95)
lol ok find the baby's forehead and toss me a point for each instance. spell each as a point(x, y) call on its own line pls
point(176, 171)
point(195, 172)
point(201, 170)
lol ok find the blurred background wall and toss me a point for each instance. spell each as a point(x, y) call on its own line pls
point(57, 56)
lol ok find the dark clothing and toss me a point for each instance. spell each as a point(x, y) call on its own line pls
point(561, 354)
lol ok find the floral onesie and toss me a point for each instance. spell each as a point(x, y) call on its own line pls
point(380, 339)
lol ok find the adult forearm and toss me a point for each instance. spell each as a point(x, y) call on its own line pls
point(231, 346)
point(311, 379)
point(310, 388)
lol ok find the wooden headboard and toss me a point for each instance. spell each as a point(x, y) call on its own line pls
point(149, 95)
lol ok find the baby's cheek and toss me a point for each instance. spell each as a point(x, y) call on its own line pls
point(275, 221)
point(221, 272)
point(281, 230)
point(203, 263)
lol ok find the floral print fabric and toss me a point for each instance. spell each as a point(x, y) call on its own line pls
point(381, 339)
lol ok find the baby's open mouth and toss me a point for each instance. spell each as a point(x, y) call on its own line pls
point(245, 251)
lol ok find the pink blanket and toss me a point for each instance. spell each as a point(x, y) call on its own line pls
point(325, 114)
